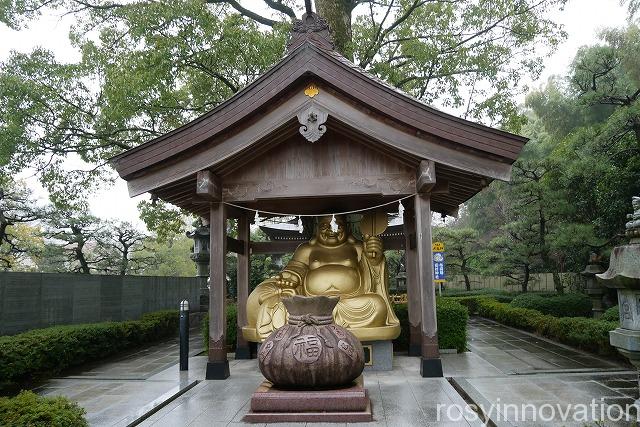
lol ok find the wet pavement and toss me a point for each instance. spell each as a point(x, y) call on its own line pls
point(512, 377)
point(118, 391)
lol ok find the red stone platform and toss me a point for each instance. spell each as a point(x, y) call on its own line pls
point(347, 405)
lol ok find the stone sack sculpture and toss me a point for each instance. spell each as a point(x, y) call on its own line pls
point(311, 351)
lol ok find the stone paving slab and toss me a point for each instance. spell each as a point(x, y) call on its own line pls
point(399, 398)
point(119, 390)
point(504, 366)
point(539, 378)
point(494, 343)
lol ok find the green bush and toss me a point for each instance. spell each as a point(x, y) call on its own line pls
point(452, 325)
point(497, 294)
point(587, 334)
point(611, 315)
point(28, 409)
point(402, 313)
point(46, 352)
point(568, 305)
point(232, 328)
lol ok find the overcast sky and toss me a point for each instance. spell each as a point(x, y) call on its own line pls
point(582, 19)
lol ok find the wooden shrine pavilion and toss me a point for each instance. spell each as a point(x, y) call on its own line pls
point(316, 134)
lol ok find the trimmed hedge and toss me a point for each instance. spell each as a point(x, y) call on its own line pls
point(27, 409)
point(497, 294)
point(568, 305)
point(45, 352)
point(452, 324)
point(611, 314)
point(587, 334)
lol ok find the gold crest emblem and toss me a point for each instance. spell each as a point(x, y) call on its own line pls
point(311, 90)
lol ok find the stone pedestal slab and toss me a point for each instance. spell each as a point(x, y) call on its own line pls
point(345, 405)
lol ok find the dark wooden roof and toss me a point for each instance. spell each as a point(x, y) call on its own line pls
point(340, 73)
point(312, 61)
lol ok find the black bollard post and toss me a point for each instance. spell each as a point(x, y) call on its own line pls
point(184, 335)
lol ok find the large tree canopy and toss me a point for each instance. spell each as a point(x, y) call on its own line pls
point(149, 66)
point(571, 188)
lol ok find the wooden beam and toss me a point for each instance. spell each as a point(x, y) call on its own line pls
point(218, 365)
point(275, 247)
point(235, 245)
point(440, 187)
point(208, 186)
point(243, 350)
point(426, 176)
point(379, 185)
point(413, 285)
point(396, 243)
point(430, 365)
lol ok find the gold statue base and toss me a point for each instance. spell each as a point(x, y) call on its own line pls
point(378, 333)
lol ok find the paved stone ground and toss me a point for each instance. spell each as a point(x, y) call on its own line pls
point(504, 367)
point(515, 352)
point(511, 367)
point(117, 391)
point(399, 397)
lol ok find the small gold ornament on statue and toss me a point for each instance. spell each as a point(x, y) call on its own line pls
point(311, 90)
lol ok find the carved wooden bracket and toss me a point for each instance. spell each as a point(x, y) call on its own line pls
point(426, 176)
point(208, 186)
point(312, 120)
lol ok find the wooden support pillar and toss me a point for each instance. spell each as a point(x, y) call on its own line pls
point(430, 363)
point(413, 285)
point(218, 365)
point(243, 348)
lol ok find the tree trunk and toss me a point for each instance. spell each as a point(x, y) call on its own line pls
point(525, 279)
point(84, 265)
point(79, 250)
point(124, 265)
point(338, 15)
point(544, 251)
point(467, 282)
point(557, 283)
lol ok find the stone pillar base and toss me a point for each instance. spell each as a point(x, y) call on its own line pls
point(431, 368)
point(243, 347)
point(378, 355)
point(217, 370)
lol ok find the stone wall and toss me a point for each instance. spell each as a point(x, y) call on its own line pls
point(37, 300)
point(538, 282)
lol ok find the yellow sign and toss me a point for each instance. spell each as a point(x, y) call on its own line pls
point(437, 247)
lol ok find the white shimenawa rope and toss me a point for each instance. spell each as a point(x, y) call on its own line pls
point(333, 214)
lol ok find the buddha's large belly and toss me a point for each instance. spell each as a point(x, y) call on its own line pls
point(332, 279)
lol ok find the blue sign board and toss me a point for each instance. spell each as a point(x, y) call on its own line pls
point(438, 267)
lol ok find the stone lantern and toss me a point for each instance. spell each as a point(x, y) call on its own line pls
point(593, 288)
point(624, 275)
point(401, 282)
point(200, 256)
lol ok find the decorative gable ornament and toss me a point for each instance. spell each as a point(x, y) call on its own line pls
point(311, 27)
point(312, 123)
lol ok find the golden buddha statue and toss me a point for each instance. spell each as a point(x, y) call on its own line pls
point(333, 263)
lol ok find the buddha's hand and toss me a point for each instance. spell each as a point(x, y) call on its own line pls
point(373, 249)
point(286, 280)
